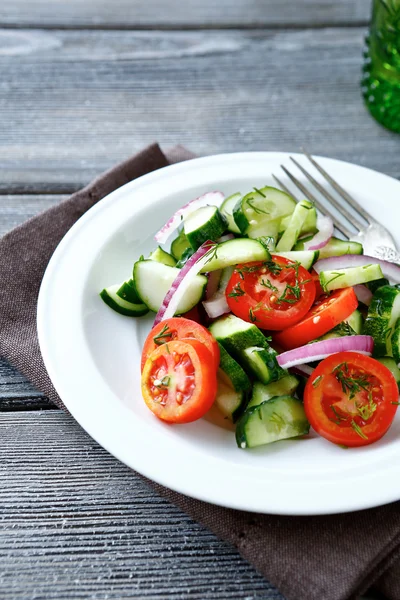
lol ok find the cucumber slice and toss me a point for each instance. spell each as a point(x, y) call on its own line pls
point(375, 285)
point(153, 280)
point(284, 387)
point(390, 363)
point(179, 245)
point(292, 232)
point(159, 255)
point(383, 314)
point(203, 224)
point(235, 252)
point(260, 207)
point(395, 342)
point(121, 306)
point(305, 257)
point(231, 372)
point(229, 401)
point(127, 291)
point(334, 247)
point(227, 210)
point(265, 229)
point(342, 278)
point(185, 257)
point(355, 321)
point(262, 364)
point(235, 335)
point(309, 225)
point(279, 418)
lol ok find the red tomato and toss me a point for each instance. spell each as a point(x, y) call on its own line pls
point(351, 399)
point(179, 328)
point(326, 313)
point(179, 381)
point(273, 295)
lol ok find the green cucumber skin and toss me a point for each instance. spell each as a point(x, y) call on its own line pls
point(179, 245)
point(342, 278)
point(136, 310)
point(261, 363)
point(281, 417)
point(227, 210)
point(390, 363)
point(335, 247)
point(376, 284)
point(211, 230)
point(309, 225)
point(127, 291)
point(378, 323)
point(395, 342)
point(284, 387)
point(237, 376)
point(244, 335)
point(159, 255)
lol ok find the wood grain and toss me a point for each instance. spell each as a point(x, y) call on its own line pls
point(75, 102)
point(76, 523)
point(176, 14)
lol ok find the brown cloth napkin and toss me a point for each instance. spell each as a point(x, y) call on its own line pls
point(307, 558)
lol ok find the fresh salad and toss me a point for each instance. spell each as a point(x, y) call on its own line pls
point(265, 316)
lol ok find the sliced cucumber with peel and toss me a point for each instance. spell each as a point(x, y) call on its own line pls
point(179, 245)
point(127, 291)
point(383, 314)
point(262, 364)
point(123, 307)
point(355, 320)
point(153, 280)
point(203, 224)
point(292, 232)
point(279, 418)
point(234, 252)
point(335, 247)
point(227, 210)
point(305, 257)
point(235, 335)
point(395, 342)
point(342, 278)
point(284, 387)
point(229, 401)
point(309, 225)
point(159, 255)
point(260, 207)
point(232, 372)
point(391, 364)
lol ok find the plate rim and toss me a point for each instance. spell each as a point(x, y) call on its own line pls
point(54, 375)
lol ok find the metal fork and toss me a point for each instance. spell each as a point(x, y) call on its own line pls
point(376, 239)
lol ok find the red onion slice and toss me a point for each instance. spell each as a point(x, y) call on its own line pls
point(182, 281)
point(363, 294)
point(211, 198)
point(389, 270)
point(217, 306)
point(325, 232)
point(320, 350)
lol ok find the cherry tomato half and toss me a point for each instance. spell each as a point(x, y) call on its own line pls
point(351, 399)
point(179, 381)
point(325, 314)
point(273, 295)
point(179, 328)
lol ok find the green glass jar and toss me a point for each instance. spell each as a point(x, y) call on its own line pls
point(381, 71)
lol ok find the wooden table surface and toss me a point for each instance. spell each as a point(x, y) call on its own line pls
point(84, 84)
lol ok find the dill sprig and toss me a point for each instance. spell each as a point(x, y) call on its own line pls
point(351, 385)
point(162, 337)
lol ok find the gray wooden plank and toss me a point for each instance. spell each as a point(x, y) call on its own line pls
point(16, 393)
point(174, 13)
point(76, 523)
point(17, 208)
point(73, 103)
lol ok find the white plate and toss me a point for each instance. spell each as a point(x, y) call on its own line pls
point(92, 354)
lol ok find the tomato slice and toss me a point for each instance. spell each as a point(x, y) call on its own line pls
point(179, 328)
point(273, 295)
point(325, 314)
point(351, 399)
point(179, 381)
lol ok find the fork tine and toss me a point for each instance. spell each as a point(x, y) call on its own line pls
point(342, 209)
point(345, 195)
point(346, 232)
point(285, 189)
